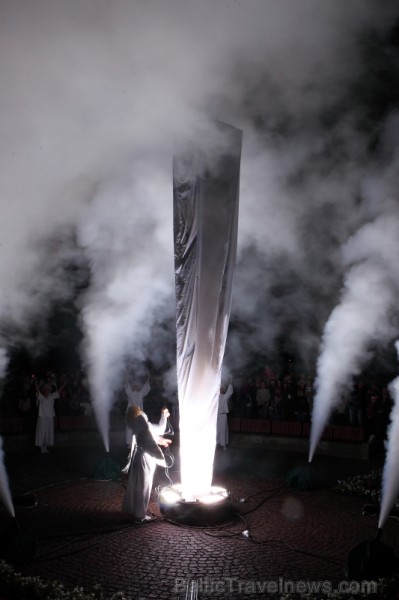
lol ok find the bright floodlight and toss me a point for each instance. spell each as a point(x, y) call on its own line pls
point(209, 509)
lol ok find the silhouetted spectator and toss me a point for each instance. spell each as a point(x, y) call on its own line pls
point(249, 392)
point(76, 394)
point(288, 399)
point(301, 404)
point(276, 401)
point(357, 403)
point(263, 400)
point(382, 416)
point(222, 427)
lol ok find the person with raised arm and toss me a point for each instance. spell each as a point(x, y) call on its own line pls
point(45, 398)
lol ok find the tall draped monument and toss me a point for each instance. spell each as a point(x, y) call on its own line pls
point(206, 194)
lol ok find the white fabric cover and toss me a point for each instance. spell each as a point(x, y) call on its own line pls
point(206, 191)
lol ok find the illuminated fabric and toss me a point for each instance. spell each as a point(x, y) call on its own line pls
point(206, 191)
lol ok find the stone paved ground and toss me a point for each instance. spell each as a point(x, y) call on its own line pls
point(83, 538)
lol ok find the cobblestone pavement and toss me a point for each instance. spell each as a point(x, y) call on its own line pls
point(83, 538)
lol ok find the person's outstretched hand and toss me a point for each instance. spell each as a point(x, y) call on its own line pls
point(164, 441)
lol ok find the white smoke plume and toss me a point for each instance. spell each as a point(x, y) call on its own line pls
point(127, 284)
point(5, 493)
point(363, 320)
point(390, 477)
point(95, 97)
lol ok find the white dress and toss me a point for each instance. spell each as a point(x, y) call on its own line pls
point(222, 428)
point(45, 420)
point(146, 455)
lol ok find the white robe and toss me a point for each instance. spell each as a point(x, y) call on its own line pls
point(145, 457)
point(45, 420)
point(157, 429)
point(222, 428)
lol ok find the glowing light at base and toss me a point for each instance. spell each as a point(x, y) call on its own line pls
point(209, 509)
point(173, 494)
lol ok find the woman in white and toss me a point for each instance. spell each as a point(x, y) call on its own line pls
point(146, 455)
point(222, 428)
point(45, 399)
point(157, 429)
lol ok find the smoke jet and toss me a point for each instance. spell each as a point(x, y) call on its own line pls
point(5, 493)
point(390, 477)
point(362, 321)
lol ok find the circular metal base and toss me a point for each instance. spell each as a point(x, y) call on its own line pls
point(212, 509)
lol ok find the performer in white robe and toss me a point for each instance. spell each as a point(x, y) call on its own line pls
point(45, 399)
point(146, 455)
point(135, 395)
point(157, 429)
point(222, 428)
point(45, 420)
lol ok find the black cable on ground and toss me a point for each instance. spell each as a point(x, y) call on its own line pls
point(246, 534)
point(134, 524)
point(275, 492)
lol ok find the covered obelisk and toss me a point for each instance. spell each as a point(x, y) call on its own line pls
point(206, 192)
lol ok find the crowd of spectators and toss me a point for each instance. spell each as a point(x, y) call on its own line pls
point(290, 398)
point(262, 395)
